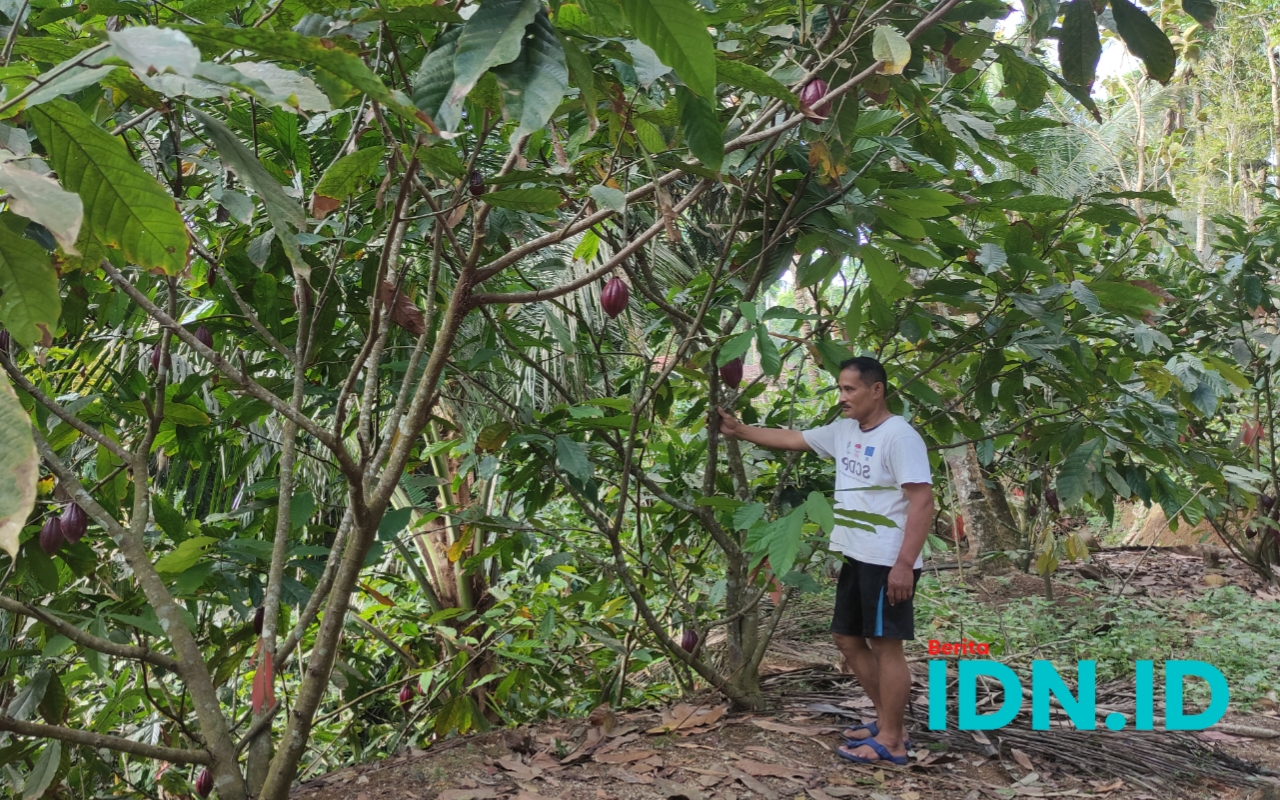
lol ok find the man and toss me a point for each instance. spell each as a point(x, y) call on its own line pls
point(882, 467)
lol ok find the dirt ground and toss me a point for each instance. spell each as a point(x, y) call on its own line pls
point(698, 751)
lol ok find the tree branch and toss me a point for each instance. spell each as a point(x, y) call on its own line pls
point(173, 755)
point(86, 639)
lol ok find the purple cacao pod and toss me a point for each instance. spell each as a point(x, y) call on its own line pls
point(406, 695)
point(74, 523)
point(614, 297)
point(155, 359)
point(259, 617)
point(475, 183)
point(204, 783)
point(204, 337)
point(1051, 499)
point(51, 537)
point(731, 373)
point(811, 95)
point(689, 640)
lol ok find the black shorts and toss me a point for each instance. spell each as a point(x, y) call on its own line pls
point(862, 607)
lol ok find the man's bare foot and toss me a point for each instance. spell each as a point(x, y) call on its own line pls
point(864, 731)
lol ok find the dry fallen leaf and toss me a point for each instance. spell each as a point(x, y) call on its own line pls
point(466, 794)
point(1021, 758)
point(758, 770)
point(624, 756)
point(518, 769)
point(780, 727)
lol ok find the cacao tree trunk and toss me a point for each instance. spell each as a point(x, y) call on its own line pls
point(981, 526)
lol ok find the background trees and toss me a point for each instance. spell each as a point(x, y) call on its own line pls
point(304, 309)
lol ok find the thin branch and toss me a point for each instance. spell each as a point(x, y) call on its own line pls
point(86, 639)
point(173, 755)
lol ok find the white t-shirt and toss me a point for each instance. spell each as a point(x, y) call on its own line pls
point(889, 455)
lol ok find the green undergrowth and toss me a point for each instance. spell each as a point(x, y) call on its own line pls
point(1228, 628)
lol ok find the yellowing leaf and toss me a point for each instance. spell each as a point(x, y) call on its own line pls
point(21, 468)
point(891, 47)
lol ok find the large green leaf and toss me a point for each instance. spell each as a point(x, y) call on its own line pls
point(124, 206)
point(434, 77)
point(493, 36)
point(29, 305)
point(1144, 39)
point(20, 471)
point(1124, 298)
point(701, 128)
point(1073, 475)
point(1079, 45)
point(349, 173)
point(572, 458)
point(339, 73)
point(537, 201)
point(284, 212)
point(1024, 83)
point(43, 773)
point(185, 556)
point(753, 79)
point(535, 83)
point(580, 70)
point(1203, 11)
point(678, 34)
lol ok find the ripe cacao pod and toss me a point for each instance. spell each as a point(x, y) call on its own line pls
point(212, 277)
point(689, 640)
point(259, 617)
point(406, 695)
point(155, 359)
point(51, 537)
point(811, 95)
point(476, 183)
point(74, 523)
point(731, 373)
point(1051, 498)
point(1032, 511)
point(204, 783)
point(204, 337)
point(614, 296)
point(1266, 501)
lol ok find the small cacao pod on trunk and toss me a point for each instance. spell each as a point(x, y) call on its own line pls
point(811, 96)
point(475, 183)
point(689, 640)
point(51, 537)
point(204, 783)
point(614, 296)
point(204, 337)
point(731, 373)
point(74, 523)
point(259, 617)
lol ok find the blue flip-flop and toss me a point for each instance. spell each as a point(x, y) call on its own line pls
point(885, 757)
point(875, 731)
point(871, 727)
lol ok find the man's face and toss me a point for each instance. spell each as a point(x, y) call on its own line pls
point(857, 400)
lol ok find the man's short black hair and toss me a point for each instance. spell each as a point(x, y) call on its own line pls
point(870, 371)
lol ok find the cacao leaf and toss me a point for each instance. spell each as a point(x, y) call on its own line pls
point(678, 34)
point(1145, 40)
point(124, 206)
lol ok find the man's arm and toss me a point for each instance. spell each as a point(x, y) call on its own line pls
point(919, 516)
point(773, 438)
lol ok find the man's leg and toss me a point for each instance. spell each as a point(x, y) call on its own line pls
point(861, 661)
point(894, 689)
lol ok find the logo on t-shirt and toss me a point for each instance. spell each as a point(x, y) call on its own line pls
point(870, 451)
